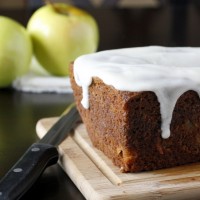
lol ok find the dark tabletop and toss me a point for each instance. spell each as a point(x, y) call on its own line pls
point(170, 23)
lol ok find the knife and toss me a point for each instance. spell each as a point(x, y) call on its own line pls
point(37, 157)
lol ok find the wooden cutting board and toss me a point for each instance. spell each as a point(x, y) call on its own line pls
point(98, 179)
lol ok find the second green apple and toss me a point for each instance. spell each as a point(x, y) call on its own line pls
point(60, 33)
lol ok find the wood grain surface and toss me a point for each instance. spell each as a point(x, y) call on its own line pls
point(98, 179)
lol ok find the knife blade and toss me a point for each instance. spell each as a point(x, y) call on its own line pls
point(37, 157)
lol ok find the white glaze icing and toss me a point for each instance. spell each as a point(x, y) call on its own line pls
point(167, 71)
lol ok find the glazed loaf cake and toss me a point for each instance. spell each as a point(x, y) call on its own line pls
point(141, 106)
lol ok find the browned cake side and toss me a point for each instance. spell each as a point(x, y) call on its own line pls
point(126, 127)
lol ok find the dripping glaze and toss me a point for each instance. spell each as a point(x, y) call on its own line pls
point(166, 71)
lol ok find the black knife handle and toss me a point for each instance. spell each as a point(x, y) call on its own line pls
point(27, 170)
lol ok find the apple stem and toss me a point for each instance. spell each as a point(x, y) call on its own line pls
point(49, 2)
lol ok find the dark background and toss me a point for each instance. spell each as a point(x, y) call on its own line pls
point(167, 23)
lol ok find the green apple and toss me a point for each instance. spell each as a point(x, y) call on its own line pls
point(60, 33)
point(15, 50)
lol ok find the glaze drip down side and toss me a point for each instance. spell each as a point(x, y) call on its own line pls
point(167, 71)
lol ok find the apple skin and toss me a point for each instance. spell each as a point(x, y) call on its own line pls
point(15, 51)
point(60, 33)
